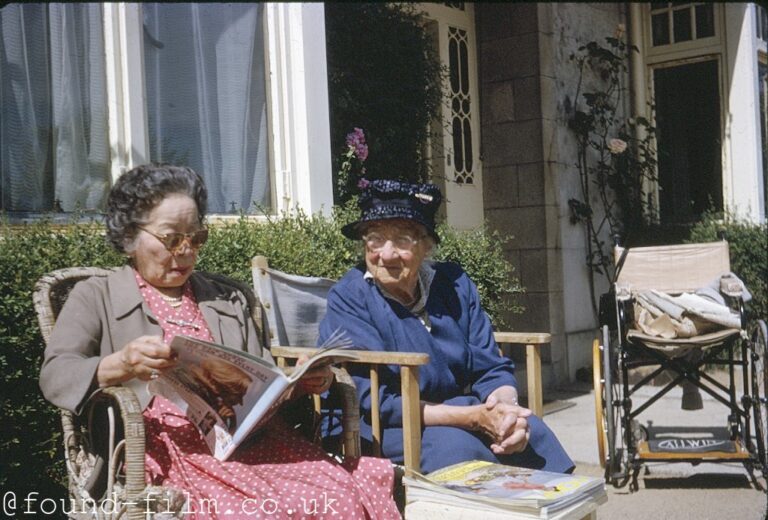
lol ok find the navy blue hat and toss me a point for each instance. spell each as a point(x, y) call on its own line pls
point(384, 199)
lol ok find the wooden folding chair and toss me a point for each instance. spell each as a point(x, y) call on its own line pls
point(294, 307)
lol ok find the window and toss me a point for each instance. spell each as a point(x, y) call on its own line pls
point(676, 22)
point(761, 23)
point(236, 91)
point(54, 148)
point(684, 52)
point(206, 97)
point(461, 114)
point(688, 135)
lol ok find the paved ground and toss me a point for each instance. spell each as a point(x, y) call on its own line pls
point(667, 491)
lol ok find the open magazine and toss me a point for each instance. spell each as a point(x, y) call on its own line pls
point(487, 486)
point(229, 393)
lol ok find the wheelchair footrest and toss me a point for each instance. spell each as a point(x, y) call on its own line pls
point(687, 448)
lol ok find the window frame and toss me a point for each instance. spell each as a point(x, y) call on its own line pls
point(735, 46)
point(673, 55)
point(688, 47)
point(297, 104)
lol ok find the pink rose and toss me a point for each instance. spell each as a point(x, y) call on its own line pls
point(617, 146)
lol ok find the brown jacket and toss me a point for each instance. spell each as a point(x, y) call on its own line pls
point(102, 315)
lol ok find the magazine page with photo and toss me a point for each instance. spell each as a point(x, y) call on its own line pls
point(229, 393)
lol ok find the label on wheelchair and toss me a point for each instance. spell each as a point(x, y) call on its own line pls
point(691, 445)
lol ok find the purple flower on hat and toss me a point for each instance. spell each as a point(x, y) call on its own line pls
point(363, 183)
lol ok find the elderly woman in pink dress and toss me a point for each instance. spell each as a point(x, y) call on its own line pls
point(116, 330)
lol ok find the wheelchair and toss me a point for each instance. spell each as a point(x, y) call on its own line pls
point(630, 355)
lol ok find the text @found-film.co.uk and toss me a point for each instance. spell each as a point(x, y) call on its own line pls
point(33, 505)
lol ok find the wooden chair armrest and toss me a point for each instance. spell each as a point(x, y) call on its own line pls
point(523, 338)
point(346, 391)
point(370, 357)
point(533, 342)
point(409, 363)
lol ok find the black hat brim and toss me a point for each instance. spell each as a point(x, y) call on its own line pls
point(354, 230)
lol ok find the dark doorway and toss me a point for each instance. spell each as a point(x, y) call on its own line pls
point(688, 127)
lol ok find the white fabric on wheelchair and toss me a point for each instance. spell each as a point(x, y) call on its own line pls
point(688, 304)
point(688, 314)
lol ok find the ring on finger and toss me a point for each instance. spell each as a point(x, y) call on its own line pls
point(154, 374)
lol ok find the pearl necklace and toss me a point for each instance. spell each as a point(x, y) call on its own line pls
point(173, 301)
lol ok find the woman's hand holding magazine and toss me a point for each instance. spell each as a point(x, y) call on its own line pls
point(229, 393)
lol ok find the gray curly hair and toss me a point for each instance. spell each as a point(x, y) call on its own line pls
point(138, 191)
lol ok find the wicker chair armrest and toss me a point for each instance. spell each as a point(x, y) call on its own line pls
point(120, 441)
point(133, 430)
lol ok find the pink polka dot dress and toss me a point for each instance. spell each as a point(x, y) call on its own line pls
point(277, 475)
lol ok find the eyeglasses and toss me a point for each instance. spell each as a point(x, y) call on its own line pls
point(174, 241)
point(376, 242)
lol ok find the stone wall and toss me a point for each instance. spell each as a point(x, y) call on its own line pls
point(513, 173)
point(526, 78)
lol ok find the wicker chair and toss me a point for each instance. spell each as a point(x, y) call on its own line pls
point(104, 445)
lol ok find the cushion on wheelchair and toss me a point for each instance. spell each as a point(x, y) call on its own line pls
point(681, 344)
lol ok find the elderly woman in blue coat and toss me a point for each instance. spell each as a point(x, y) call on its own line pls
point(400, 301)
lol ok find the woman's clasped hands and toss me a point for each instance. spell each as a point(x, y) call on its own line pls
point(504, 421)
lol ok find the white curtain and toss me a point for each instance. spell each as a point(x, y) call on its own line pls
point(54, 149)
point(206, 97)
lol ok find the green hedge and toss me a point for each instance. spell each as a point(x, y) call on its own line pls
point(314, 246)
point(309, 245)
point(748, 244)
point(30, 437)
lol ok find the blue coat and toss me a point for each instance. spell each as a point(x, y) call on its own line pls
point(464, 368)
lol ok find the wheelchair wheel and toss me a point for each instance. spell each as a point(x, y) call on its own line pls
point(598, 383)
point(607, 412)
point(758, 337)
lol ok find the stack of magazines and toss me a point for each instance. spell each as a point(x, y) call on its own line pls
point(478, 488)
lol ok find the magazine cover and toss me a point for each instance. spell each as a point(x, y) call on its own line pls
point(229, 393)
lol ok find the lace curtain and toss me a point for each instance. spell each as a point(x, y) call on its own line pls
point(54, 149)
point(206, 102)
point(206, 97)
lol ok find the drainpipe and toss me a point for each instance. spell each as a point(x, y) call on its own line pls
point(639, 92)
